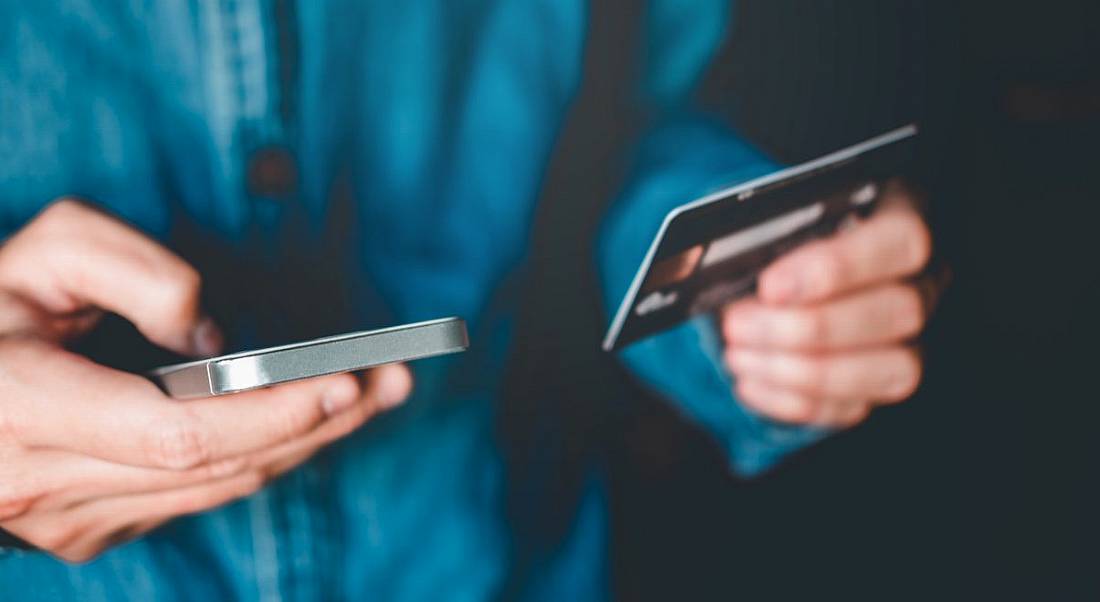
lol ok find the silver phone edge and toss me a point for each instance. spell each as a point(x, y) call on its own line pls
point(253, 370)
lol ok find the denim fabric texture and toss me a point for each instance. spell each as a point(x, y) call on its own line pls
point(431, 122)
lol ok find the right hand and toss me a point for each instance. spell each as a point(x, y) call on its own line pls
point(90, 456)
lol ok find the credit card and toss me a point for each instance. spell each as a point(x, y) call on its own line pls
point(710, 251)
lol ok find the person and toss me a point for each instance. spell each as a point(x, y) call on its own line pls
point(154, 157)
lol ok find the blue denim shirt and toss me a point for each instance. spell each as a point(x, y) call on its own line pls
point(435, 119)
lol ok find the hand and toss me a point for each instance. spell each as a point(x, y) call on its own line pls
point(828, 336)
point(90, 456)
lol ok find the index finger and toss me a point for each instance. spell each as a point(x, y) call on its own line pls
point(72, 256)
point(893, 243)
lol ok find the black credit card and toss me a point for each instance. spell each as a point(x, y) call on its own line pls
point(710, 251)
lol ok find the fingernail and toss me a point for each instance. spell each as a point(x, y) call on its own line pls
point(339, 398)
point(206, 338)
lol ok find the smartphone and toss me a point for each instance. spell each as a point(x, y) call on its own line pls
point(330, 355)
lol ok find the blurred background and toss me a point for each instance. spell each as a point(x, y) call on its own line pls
point(981, 486)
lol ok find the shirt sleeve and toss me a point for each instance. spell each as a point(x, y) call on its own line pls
point(684, 157)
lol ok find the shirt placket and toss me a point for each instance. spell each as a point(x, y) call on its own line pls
point(254, 49)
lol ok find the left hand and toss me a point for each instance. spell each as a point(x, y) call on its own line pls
point(829, 335)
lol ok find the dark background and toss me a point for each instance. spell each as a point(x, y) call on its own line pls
point(980, 486)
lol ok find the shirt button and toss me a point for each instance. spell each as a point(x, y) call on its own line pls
point(272, 172)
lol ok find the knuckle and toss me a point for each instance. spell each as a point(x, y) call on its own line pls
point(65, 219)
point(918, 245)
point(834, 266)
point(179, 289)
point(55, 537)
point(220, 469)
point(909, 311)
point(829, 269)
point(826, 415)
point(811, 327)
point(750, 400)
point(80, 555)
point(12, 508)
point(813, 375)
point(253, 482)
point(7, 425)
point(51, 224)
point(191, 501)
point(63, 210)
point(728, 363)
point(16, 500)
point(800, 410)
point(732, 311)
point(854, 417)
point(187, 503)
point(179, 443)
